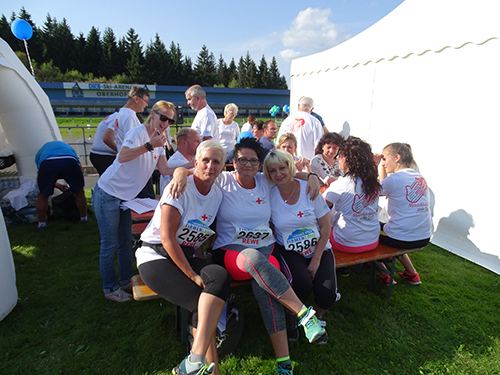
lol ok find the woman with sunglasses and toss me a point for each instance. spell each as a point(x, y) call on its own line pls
point(353, 199)
point(245, 244)
point(324, 162)
point(141, 151)
point(229, 130)
point(302, 228)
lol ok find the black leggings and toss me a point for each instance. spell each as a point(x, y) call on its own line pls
point(324, 285)
point(166, 279)
point(398, 244)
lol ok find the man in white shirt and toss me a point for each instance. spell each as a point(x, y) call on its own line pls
point(306, 128)
point(127, 119)
point(187, 142)
point(205, 122)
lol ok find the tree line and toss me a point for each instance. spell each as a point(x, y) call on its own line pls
point(57, 56)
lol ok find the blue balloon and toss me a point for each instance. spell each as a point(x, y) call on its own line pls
point(21, 29)
point(286, 108)
point(244, 135)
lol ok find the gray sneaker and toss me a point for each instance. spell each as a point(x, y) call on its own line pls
point(119, 295)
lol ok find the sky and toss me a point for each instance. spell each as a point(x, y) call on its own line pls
point(283, 29)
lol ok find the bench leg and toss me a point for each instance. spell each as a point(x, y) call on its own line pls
point(390, 272)
point(181, 323)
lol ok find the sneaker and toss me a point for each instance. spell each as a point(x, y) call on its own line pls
point(412, 279)
point(283, 369)
point(344, 271)
point(118, 295)
point(127, 287)
point(41, 229)
point(292, 330)
point(312, 326)
point(386, 279)
point(203, 369)
point(323, 339)
point(87, 220)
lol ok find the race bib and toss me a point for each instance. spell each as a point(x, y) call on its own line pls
point(258, 237)
point(193, 233)
point(302, 241)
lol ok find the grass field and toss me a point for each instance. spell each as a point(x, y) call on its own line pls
point(62, 324)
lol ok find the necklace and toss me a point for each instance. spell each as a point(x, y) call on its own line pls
point(293, 191)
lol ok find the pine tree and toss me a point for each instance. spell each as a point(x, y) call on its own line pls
point(178, 69)
point(64, 52)
point(187, 77)
point(108, 63)
point(263, 74)
point(92, 52)
point(232, 71)
point(222, 72)
point(135, 57)
point(204, 69)
point(6, 33)
point(157, 62)
point(274, 75)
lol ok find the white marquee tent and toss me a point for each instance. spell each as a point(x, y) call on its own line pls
point(26, 122)
point(427, 74)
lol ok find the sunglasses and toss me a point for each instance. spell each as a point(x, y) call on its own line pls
point(164, 118)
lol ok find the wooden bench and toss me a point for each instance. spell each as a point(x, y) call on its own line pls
point(375, 257)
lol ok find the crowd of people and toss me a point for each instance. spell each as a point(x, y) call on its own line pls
point(295, 195)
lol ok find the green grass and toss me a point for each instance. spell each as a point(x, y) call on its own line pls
point(80, 124)
point(62, 324)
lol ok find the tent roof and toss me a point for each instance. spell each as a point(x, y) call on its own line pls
point(415, 27)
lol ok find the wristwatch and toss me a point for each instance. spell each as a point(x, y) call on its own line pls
point(148, 146)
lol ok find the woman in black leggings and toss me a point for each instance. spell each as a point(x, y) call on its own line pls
point(171, 265)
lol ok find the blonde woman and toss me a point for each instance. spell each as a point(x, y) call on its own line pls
point(141, 152)
point(229, 130)
point(288, 142)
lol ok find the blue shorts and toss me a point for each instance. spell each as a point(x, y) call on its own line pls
point(52, 170)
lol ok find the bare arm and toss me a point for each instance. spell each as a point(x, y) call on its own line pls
point(170, 218)
point(107, 138)
point(127, 154)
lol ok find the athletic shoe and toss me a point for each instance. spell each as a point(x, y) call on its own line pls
point(118, 295)
point(344, 271)
point(283, 369)
point(323, 339)
point(292, 330)
point(203, 369)
point(127, 287)
point(311, 324)
point(386, 279)
point(412, 279)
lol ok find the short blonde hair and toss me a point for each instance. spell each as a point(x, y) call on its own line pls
point(161, 104)
point(207, 145)
point(277, 156)
point(231, 107)
point(285, 137)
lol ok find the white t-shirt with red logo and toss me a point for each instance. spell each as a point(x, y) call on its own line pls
point(197, 211)
point(228, 134)
point(125, 121)
point(244, 214)
point(306, 128)
point(296, 225)
point(126, 180)
point(354, 218)
point(408, 206)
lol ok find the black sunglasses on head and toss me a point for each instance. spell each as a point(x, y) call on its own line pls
point(164, 118)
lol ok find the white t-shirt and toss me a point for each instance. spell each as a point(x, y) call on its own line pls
point(354, 219)
point(228, 134)
point(244, 214)
point(306, 128)
point(127, 119)
point(408, 206)
point(176, 160)
point(197, 214)
point(99, 147)
point(246, 127)
point(205, 123)
point(126, 180)
point(297, 225)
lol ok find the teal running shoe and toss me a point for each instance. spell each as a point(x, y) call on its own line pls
point(283, 369)
point(311, 324)
point(202, 368)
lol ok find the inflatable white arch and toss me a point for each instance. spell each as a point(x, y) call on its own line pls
point(427, 74)
point(28, 122)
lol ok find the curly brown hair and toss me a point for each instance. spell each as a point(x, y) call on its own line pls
point(359, 162)
point(330, 137)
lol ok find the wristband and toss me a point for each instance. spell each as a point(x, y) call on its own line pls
point(312, 174)
point(148, 146)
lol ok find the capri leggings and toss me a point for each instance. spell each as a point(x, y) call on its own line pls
point(268, 283)
point(166, 279)
point(398, 244)
point(324, 285)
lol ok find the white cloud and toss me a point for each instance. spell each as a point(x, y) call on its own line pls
point(312, 31)
point(289, 54)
